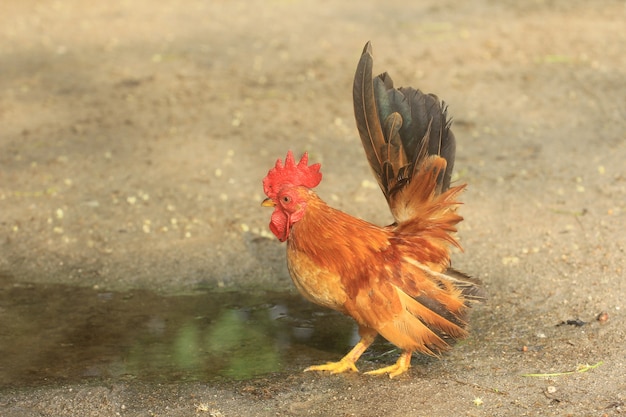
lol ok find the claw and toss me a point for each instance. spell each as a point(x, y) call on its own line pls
point(401, 366)
point(347, 363)
point(343, 365)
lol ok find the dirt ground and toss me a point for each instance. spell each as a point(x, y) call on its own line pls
point(134, 137)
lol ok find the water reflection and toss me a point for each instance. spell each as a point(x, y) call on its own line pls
point(57, 333)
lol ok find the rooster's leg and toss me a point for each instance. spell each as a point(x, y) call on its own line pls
point(347, 362)
point(401, 366)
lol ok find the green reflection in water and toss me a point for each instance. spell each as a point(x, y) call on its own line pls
point(253, 351)
point(235, 344)
point(186, 347)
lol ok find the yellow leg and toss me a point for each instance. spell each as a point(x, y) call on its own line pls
point(347, 363)
point(401, 366)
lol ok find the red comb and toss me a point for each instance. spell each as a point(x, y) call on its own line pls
point(291, 174)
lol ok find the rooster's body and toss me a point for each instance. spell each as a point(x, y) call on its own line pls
point(394, 281)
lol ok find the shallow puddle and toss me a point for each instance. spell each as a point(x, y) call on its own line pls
point(56, 333)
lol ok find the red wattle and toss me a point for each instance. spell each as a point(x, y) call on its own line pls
point(279, 224)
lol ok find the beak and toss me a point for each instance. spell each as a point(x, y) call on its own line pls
point(268, 202)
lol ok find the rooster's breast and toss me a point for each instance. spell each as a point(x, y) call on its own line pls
point(316, 283)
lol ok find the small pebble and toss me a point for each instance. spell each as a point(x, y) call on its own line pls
point(603, 317)
point(510, 260)
point(369, 184)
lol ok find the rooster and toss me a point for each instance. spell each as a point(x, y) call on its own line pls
point(395, 281)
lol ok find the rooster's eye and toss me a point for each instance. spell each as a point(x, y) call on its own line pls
point(286, 199)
